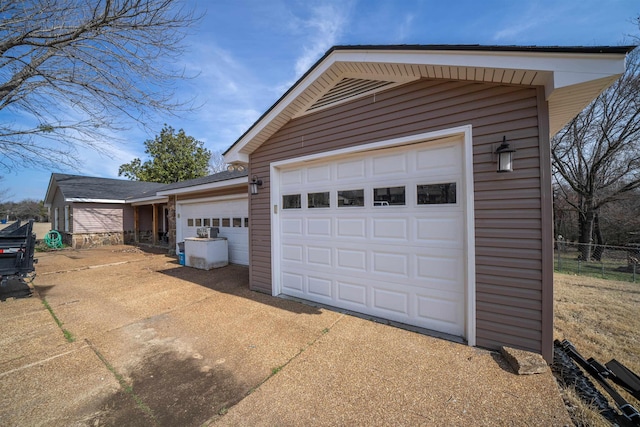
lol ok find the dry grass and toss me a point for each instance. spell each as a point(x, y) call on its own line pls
point(601, 318)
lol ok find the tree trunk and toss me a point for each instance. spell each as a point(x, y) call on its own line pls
point(586, 220)
point(599, 248)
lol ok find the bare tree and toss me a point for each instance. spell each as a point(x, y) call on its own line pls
point(596, 157)
point(74, 71)
point(217, 164)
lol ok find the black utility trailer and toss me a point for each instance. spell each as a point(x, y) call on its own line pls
point(17, 245)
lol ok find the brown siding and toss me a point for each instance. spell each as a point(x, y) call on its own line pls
point(97, 217)
point(238, 189)
point(508, 209)
point(127, 220)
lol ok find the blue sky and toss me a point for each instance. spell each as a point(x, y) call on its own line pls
point(247, 53)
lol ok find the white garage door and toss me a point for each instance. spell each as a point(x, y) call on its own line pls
point(381, 232)
point(230, 216)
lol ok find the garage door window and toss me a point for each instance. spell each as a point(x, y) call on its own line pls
point(350, 198)
point(291, 201)
point(389, 196)
point(318, 200)
point(437, 194)
point(226, 222)
point(190, 222)
point(237, 222)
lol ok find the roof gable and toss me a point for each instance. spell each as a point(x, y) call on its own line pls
point(571, 76)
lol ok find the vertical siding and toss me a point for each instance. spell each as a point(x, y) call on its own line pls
point(97, 217)
point(508, 221)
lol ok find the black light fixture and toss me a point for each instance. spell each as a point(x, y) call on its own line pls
point(254, 184)
point(505, 156)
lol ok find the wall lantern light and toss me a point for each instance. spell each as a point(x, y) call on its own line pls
point(505, 156)
point(254, 184)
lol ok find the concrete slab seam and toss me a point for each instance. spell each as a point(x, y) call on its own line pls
point(41, 361)
point(128, 389)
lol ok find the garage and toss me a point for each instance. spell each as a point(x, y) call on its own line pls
point(229, 214)
point(380, 232)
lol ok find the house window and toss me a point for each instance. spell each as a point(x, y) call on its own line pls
point(190, 222)
point(437, 194)
point(350, 198)
point(291, 201)
point(389, 196)
point(318, 200)
point(66, 218)
point(226, 222)
point(237, 222)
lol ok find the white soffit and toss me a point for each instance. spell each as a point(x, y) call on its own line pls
point(571, 80)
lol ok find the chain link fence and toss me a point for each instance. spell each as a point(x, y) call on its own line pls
point(602, 261)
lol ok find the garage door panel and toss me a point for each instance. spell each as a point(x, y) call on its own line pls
point(351, 227)
point(390, 264)
point(292, 226)
point(389, 300)
point(319, 174)
point(352, 293)
point(390, 228)
point(351, 169)
point(389, 164)
point(402, 262)
point(440, 229)
point(319, 227)
point(319, 255)
point(352, 259)
point(292, 252)
point(320, 286)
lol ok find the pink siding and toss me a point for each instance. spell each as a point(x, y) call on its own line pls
point(510, 208)
point(97, 217)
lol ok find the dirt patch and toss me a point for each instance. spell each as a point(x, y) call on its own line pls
point(167, 389)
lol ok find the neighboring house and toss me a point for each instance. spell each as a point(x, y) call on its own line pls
point(90, 211)
point(379, 192)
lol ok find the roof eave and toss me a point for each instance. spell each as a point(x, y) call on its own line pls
point(217, 185)
point(556, 68)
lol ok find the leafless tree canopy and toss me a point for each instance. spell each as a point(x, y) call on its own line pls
point(72, 71)
point(596, 157)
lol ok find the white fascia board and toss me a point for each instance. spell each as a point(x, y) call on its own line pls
point(204, 187)
point(147, 200)
point(237, 151)
point(572, 69)
point(87, 200)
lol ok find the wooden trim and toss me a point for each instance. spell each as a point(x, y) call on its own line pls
point(546, 208)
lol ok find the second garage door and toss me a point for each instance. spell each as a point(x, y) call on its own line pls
point(380, 232)
point(230, 216)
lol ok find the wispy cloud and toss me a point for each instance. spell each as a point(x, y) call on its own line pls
point(324, 28)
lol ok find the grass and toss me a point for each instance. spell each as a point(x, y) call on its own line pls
point(67, 335)
point(600, 317)
point(610, 268)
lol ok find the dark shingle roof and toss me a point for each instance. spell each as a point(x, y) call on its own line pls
point(216, 177)
point(88, 187)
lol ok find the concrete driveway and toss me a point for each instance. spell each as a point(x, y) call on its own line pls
point(155, 343)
